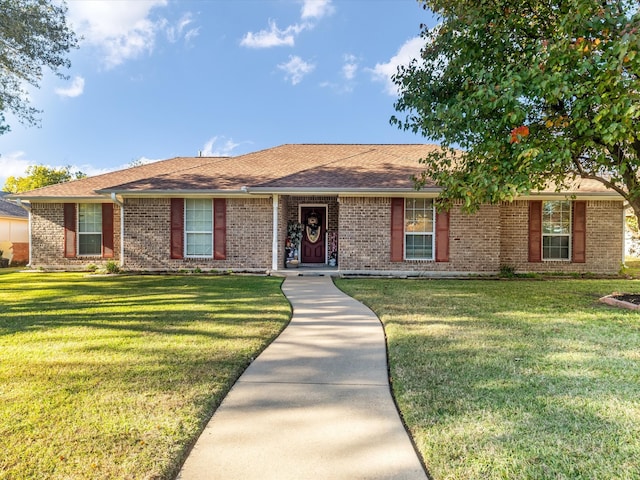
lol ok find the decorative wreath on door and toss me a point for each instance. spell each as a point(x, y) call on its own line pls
point(313, 227)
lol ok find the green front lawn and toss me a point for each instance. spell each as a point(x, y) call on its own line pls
point(514, 379)
point(114, 377)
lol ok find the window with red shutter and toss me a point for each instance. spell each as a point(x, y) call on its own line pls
point(70, 230)
point(107, 230)
point(177, 228)
point(535, 231)
point(397, 229)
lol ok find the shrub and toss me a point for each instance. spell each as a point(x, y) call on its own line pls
point(112, 267)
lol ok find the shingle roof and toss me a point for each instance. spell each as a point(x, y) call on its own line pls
point(348, 167)
point(8, 209)
point(88, 187)
point(301, 167)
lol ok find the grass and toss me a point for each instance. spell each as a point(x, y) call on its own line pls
point(514, 379)
point(632, 267)
point(115, 376)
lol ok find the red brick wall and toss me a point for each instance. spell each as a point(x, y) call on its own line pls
point(603, 248)
point(47, 239)
point(482, 242)
point(20, 253)
point(249, 236)
point(365, 241)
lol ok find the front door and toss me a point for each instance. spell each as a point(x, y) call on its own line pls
point(314, 221)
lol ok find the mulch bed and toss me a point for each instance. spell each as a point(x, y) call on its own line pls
point(627, 297)
point(623, 300)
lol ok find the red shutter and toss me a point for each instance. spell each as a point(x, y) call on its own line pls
point(397, 229)
point(535, 231)
point(579, 233)
point(177, 227)
point(219, 229)
point(442, 236)
point(107, 230)
point(69, 230)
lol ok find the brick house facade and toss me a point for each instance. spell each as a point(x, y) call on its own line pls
point(227, 214)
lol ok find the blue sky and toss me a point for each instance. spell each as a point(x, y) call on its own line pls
point(159, 78)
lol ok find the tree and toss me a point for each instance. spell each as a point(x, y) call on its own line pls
point(526, 94)
point(40, 176)
point(33, 34)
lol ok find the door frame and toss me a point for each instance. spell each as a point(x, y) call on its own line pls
point(326, 220)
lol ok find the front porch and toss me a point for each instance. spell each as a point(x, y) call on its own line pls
point(307, 232)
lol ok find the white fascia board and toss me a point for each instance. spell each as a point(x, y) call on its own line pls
point(183, 194)
point(92, 199)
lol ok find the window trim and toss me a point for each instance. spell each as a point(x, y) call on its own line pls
point(79, 233)
point(186, 232)
point(432, 233)
point(568, 235)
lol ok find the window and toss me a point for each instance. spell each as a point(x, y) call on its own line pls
point(198, 227)
point(90, 229)
point(418, 228)
point(556, 230)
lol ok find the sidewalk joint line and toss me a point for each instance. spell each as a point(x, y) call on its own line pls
point(317, 383)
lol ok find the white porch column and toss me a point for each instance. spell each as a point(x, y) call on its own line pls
point(274, 245)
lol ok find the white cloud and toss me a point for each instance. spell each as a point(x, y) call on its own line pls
point(13, 164)
point(316, 9)
point(125, 30)
point(181, 30)
point(383, 71)
point(74, 90)
point(296, 69)
point(274, 37)
point(122, 30)
point(211, 149)
point(350, 67)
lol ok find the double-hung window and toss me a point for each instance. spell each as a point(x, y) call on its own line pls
point(198, 227)
point(90, 229)
point(556, 230)
point(419, 220)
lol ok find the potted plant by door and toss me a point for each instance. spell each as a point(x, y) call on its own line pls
point(333, 248)
point(292, 246)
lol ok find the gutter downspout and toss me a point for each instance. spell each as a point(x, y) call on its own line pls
point(274, 244)
point(28, 209)
point(115, 200)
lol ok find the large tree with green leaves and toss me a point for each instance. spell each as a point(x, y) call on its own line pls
point(34, 35)
point(40, 176)
point(523, 94)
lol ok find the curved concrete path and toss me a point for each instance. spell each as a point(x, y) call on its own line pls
point(316, 404)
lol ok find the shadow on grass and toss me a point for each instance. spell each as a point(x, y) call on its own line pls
point(114, 377)
point(514, 379)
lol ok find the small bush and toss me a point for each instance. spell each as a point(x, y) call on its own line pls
point(507, 271)
point(112, 267)
point(92, 267)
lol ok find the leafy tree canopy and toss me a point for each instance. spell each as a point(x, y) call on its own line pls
point(40, 176)
point(33, 34)
point(522, 94)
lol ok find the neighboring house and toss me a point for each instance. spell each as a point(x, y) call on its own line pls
point(14, 231)
point(231, 213)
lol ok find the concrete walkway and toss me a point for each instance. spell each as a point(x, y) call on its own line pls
point(315, 404)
